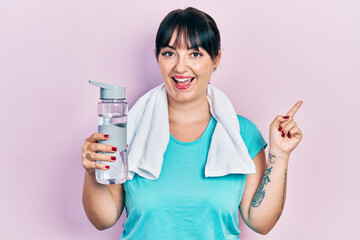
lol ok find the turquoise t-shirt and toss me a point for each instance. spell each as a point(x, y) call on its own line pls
point(182, 203)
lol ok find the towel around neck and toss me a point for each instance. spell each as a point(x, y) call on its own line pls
point(148, 135)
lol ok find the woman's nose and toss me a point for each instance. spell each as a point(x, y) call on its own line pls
point(181, 65)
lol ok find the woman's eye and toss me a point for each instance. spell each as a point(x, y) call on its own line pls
point(167, 54)
point(196, 54)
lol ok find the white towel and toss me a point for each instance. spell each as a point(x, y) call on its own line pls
point(148, 135)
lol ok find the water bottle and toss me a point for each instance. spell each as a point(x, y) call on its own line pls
point(112, 120)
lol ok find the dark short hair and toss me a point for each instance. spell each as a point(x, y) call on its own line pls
point(197, 27)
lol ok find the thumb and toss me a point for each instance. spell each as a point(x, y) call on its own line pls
point(280, 119)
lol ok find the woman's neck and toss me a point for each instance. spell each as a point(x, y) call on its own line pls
point(190, 112)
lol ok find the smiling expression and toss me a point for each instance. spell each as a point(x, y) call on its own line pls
point(186, 72)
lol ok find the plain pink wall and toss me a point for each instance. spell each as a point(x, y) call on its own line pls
point(274, 54)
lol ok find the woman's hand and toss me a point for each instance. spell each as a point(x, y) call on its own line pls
point(90, 154)
point(284, 132)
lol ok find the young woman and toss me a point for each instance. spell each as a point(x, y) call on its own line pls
point(182, 203)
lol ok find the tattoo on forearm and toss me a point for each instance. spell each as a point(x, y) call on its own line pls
point(260, 194)
point(271, 156)
point(283, 199)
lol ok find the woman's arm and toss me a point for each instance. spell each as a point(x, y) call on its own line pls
point(265, 192)
point(103, 204)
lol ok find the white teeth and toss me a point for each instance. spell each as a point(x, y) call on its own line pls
point(182, 80)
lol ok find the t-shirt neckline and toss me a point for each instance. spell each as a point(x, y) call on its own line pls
point(204, 134)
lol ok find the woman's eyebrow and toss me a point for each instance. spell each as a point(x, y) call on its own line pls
point(190, 48)
point(193, 48)
point(170, 47)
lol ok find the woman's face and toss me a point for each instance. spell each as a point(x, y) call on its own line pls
point(186, 72)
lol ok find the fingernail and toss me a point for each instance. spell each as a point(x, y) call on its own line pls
point(289, 134)
point(113, 158)
point(107, 166)
point(280, 128)
point(114, 148)
point(286, 117)
point(283, 134)
point(106, 136)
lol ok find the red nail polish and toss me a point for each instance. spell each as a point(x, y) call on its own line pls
point(106, 136)
point(280, 128)
point(107, 166)
point(283, 134)
point(114, 148)
point(286, 117)
point(113, 158)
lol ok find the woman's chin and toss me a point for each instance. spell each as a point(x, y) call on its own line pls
point(186, 97)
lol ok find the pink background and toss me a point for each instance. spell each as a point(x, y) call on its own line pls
point(274, 54)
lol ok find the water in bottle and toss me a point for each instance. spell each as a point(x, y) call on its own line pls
point(112, 120)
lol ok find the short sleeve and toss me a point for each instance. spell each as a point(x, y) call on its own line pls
point(251, 135)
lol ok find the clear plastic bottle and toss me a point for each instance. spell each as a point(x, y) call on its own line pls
point(112, 120)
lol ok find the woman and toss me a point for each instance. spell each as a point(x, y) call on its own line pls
point(182, 203)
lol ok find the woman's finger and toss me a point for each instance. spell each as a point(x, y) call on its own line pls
point(284, 121)
point(101, 147)
point(93, 156)
point(278, 121)
point(90, 166)
point(296, 132)
point(288, 126)
point(96, 137)
point(294, 109)
point(101, 166)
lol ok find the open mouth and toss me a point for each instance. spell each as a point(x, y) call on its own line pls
point(183, 83)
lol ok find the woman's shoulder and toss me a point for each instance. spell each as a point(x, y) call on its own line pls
point(245, 122)
point(248, 129)
point(251, 135)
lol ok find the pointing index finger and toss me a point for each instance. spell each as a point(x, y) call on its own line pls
point(294, 109)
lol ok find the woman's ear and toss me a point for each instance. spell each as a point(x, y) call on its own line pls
point(217, 60)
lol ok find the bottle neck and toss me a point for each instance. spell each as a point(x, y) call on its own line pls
point(112, 100)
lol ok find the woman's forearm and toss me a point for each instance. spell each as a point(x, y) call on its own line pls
point(98, 203)
point(269, 200)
